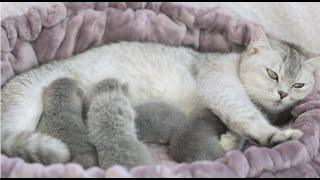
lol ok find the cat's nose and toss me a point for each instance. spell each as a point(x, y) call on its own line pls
point(282, 94)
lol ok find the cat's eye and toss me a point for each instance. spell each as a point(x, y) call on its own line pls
point(272, 74)
point(298, 85)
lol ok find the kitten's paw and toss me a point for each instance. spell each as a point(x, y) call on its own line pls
point(284, 135)
point(230, 141)
point(86, 160)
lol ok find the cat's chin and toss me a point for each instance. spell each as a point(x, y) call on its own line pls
point(276, 110)
point(274, 107)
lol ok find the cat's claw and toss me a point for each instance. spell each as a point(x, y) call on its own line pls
point(284, 135)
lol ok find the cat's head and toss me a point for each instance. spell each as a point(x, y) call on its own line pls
point(275, 75)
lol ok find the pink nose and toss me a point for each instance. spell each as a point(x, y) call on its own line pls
point(282, 94)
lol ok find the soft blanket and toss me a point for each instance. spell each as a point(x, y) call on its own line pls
point(55, 32)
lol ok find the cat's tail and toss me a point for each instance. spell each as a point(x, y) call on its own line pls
point(35, 147)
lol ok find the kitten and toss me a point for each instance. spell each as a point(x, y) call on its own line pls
point(62, 111)
point(202, 137)
point(199, 136)
point(111, 127)
point(157, 121)
point(237, 87)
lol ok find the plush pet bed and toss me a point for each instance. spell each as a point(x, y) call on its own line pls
point(46, 33)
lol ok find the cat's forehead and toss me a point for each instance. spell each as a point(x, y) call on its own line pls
point(292, 64)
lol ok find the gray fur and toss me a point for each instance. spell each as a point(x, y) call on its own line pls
point(192, 139)
point(111, 127)
point(157, 121)
point(62, 118)
point(199, 138)
point(31, 148)
point(292, 55)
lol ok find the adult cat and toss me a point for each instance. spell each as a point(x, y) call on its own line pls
point(272, 76)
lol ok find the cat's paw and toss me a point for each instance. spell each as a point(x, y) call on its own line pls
point(230, 141)
point(284, 135)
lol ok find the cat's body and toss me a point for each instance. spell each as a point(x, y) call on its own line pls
point(21, 101)
point(112, 128)
point(178, 76)
point(62, 119)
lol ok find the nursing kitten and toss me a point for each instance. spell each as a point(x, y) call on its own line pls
point(156, 122)
point(202, 137)
point(199, 136)
point(238, 87)
point(112, 129)
point(62, 111)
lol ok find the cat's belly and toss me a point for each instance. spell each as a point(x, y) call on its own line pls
point(170, 86)
point(155, 78)
point(153, 73)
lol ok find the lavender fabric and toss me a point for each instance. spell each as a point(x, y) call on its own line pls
point(51, 33)
point(45, 34)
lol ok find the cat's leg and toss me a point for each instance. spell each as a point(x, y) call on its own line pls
point(227, 98)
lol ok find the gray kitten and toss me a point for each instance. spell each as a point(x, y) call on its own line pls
point(62, 118)
point(157, 121)
point(111, 126)
point(200, 136)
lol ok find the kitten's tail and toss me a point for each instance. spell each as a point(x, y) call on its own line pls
point(35, 147)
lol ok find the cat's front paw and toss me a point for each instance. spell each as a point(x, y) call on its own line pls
point(284, 135)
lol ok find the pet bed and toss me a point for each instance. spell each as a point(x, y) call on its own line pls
point(46, 33)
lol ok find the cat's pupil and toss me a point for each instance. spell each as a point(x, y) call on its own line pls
point(272, 74)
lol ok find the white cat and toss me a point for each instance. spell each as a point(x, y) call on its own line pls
point(269, 76)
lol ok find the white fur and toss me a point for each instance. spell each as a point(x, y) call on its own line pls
point(154, 72)
point(230, 141)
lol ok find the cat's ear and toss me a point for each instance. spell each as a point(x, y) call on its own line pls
point(259, 40)
point(315, 63)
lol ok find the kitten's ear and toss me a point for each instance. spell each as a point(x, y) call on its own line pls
point(259, 40)
point(315, 63)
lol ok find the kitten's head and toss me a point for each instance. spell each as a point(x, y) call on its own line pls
point(275, 75)
point(63, 91)
point(62, 88)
